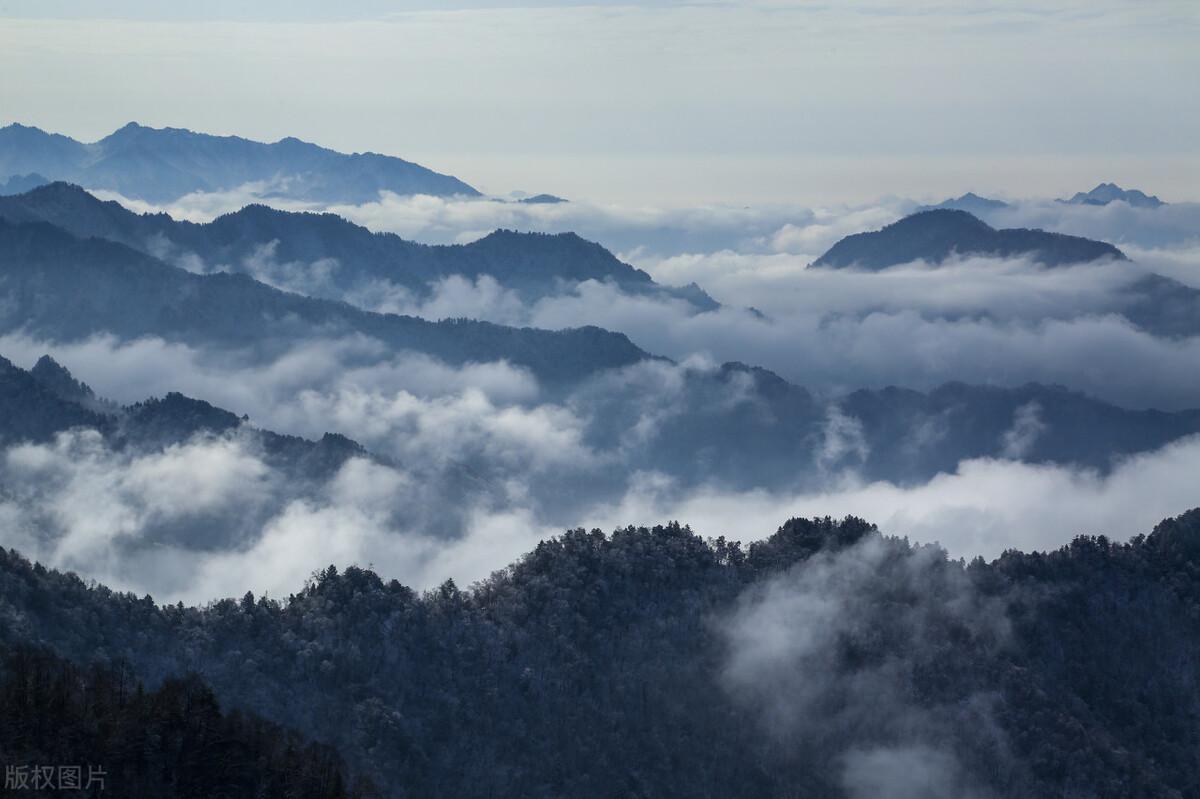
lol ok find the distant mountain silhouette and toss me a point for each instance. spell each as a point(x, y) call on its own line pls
point(47, 400)
point(324, 255)
point(933, 236)
point(971, 203)
point(19, 184)
point(163, 164)
point(62, 287)
point(1106, 193)
point(32, 409)
point(542, 199)
point(774, 437)
point(1061, 426)
point(1157, 304)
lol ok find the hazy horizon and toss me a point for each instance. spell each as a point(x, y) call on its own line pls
point(650, 103)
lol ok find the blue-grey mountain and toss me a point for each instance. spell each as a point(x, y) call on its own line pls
point(163, 164)
point(1106, 193)
point(326, 256)
point(542, 199)
point(935, 235)
point(972, 203)
point(1157, 304)
point(63, 288)
point(19, 184)
point(38, 404)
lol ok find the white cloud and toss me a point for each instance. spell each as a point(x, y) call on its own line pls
point(981, 321)
point(1026, 428)
point(985, 507)
point(787, 642)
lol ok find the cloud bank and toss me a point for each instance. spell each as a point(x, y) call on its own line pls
point(479, 462)
point(979, 320)
point(472, 478)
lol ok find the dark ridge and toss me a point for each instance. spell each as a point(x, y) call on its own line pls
point(177, 417)
point(611, 652)
point(68, 288)
point(169, 742)
point(280, 246)
point(31, 410)
point(935, 235)
point(55, 377)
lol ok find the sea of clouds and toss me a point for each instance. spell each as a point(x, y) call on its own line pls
point(483, 446)
point(475, 466)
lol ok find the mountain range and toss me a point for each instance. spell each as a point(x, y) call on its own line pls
point(326, 256)
point(825, 661)
point(775, 435)
point(38, 404)
point(60, 286)
point(65, 288)
point(163, 164)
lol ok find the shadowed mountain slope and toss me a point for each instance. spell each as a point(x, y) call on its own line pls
point(61, 287)
point(324, 255)
point(47, 400)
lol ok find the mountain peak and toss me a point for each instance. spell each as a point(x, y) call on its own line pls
point(1105, 193)
point(65, 198)
point(542, 199)
point(970, 202)
point(126, 132)
point(48, 364)
point(943, 216)
point(61, 188)
point(54, 376)
point(937, 234)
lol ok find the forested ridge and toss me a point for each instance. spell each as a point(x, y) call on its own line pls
point(633, 664)
point(64, 728)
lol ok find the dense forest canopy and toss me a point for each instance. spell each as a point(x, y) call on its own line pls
point(825, 660)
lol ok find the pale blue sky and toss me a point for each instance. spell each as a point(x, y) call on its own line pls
point(653, 102)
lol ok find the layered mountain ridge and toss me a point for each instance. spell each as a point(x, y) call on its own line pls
point(326, 256)
point(66, 288)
